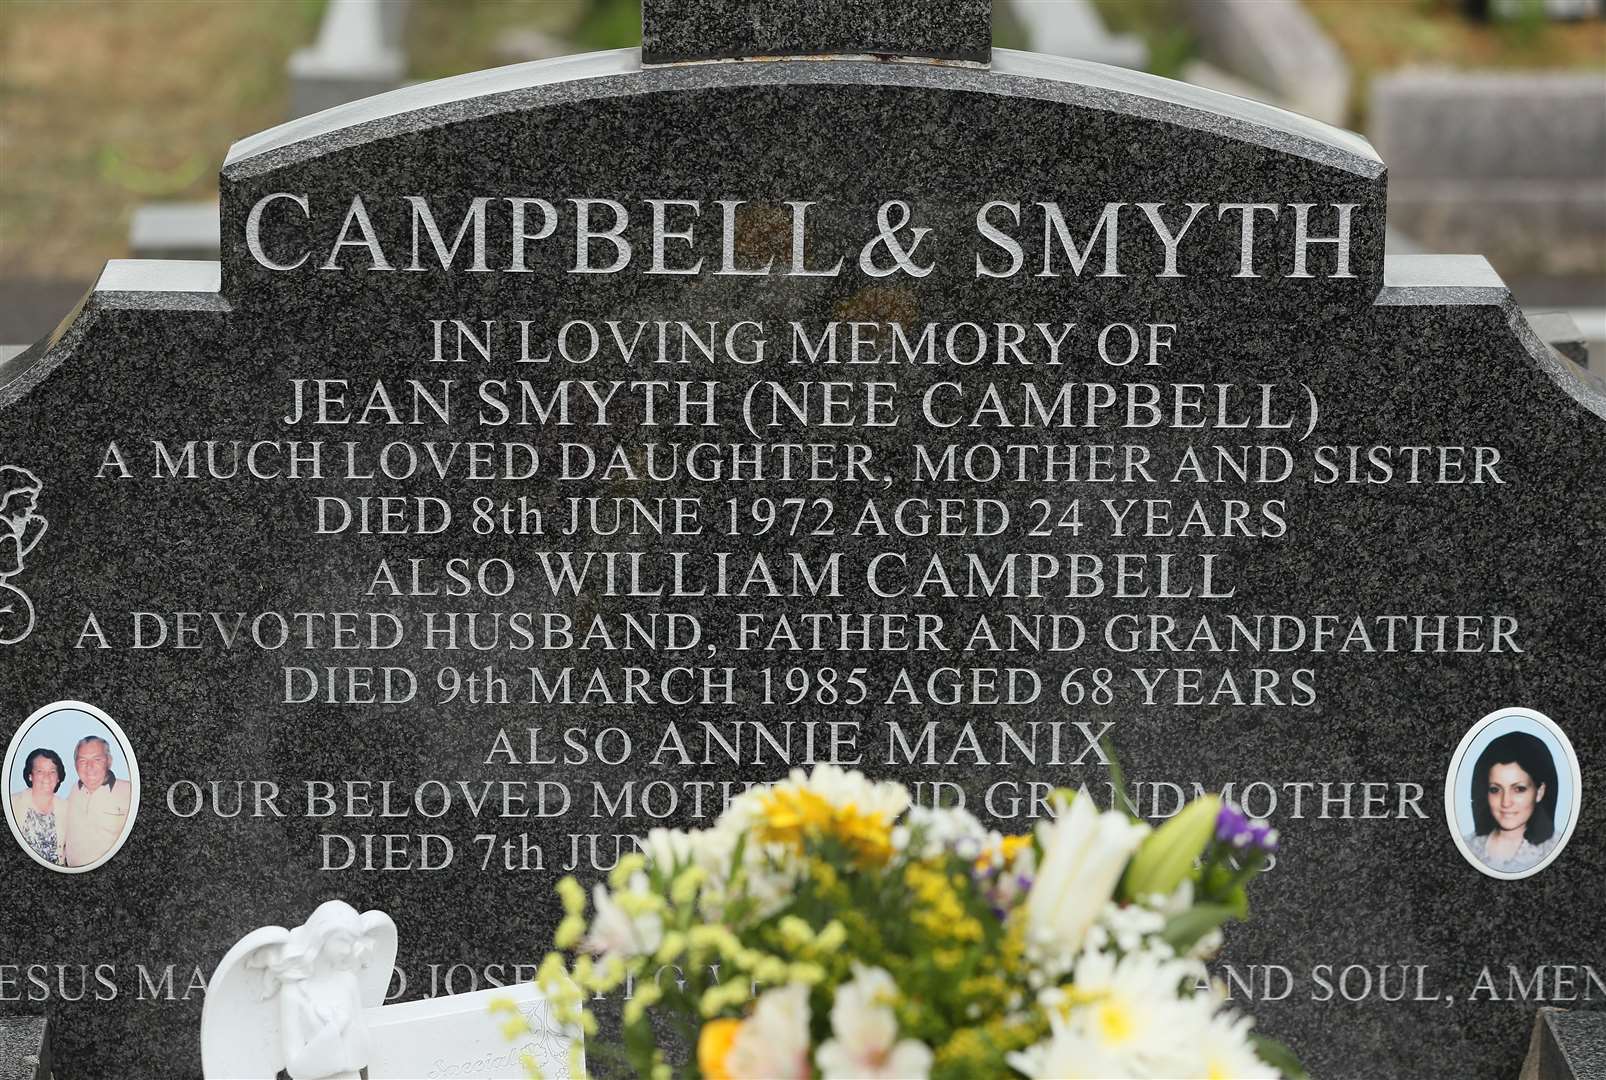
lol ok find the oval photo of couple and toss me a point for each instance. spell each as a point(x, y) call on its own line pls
point(72, 787)
point(1513, 792)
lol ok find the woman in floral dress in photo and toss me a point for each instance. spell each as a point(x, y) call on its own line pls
point(38, 811)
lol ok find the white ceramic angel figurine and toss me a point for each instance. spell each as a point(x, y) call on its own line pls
point(292, 1002)
point(320, 1003)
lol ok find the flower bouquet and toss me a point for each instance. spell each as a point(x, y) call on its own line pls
point(824, 927)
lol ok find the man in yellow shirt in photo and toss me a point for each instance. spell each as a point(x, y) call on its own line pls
point(98, 807)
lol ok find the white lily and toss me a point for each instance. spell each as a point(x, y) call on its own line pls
point(773, 1043)
point(618, 930)
point(669, 849)
point(1084, 853)
point(864, 1043)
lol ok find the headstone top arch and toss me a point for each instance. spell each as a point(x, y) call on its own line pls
point(1271, 207)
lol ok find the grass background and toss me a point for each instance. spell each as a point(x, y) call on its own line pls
point(105, 104)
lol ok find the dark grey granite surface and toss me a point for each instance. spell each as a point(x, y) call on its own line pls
point(678, 30)
point(1566, 1045)
point(1581, 1039)
point(24, 1048)
point(1426, 351)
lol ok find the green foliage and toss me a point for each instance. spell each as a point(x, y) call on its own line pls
point(1169, 853)
point(1184, 930)
point(150, 182)
point(1008, 33)
point(610, 24)
point(1279, 1057)
point(1117, 780)
point(1163, 26)
point(1170, 50)
point(1524, 29)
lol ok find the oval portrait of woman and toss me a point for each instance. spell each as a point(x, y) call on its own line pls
point(72, 787)
point(1512, 793)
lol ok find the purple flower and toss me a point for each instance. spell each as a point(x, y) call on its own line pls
point(1262, 835)
point(1235, 828)
point(1231, 825)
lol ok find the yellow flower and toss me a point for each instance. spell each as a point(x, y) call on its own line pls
point(1004, 854)
point(807, 973)
point(713, 1044)
point(573, 896)
point(832, 937)
point(828, 802)
point(570, 931)
point(940, 911)
point(792, 815)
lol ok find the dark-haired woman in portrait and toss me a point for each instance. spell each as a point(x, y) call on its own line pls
point(39, 812)
point(1514, 803)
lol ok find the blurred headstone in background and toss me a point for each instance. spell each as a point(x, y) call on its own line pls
point(1512, 163)
point(358, 54)
point(1275, 44)
point(1560, 331)
point(174, 230)
point(1545, 9)
point(1509, 163)
point(1073, 28)
point(526, 43)
point(1204, 73)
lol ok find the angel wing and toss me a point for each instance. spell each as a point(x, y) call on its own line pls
point(240, 1020)
point(373, 978)
point(241, 1037)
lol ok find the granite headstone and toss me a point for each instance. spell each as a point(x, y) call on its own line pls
point(556, 450)
point(24, 1048)
point(1566, 1045)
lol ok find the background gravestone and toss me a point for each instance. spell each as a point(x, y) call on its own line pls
point(1566, 1045)
point(217, 439)
point(24, 1048)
